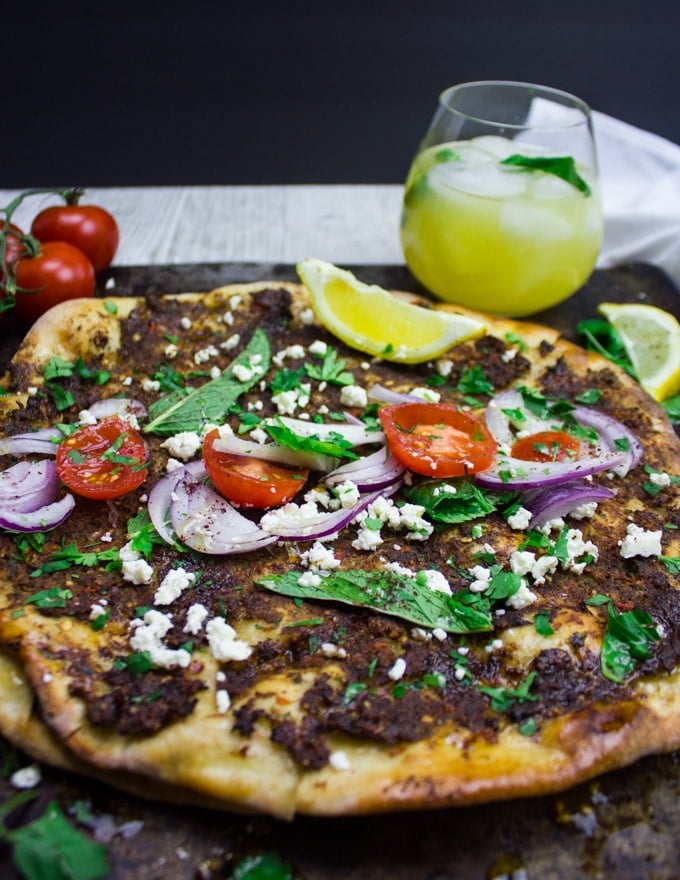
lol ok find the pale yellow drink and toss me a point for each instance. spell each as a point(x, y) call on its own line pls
point(496, 237)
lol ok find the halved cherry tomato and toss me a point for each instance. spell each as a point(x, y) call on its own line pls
point(88, 227)
point(437, 439)
point(59, 272)
point(546, 446)
point(250, 482)
point(105, 460)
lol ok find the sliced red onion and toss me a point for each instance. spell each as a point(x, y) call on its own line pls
point(292, 527)
point(611, 432)
point(311, 461)
point(515, 473)
point(357, 435)
point(160, 497)
point(28, 485)
point(558, 501)
point(369, 473)
point(386, 395)
point(44, 442)
point(206, 522)
point(41, 520)
point(118, 406)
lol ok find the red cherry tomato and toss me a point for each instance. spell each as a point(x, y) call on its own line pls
point(546, 446)
point(13, 246)
point(59, 272)
point(437, 439)
point(87, 227)
point(250, 482)
point(103, 461)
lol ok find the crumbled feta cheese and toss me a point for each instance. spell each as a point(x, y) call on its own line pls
point(85, 417)
point(347, 494)
point(259, 435)
point(584, 511)
point(411, 518)
point(520, 519)
point(151, 385)
point(106, 538)
point(195, 618)
point(333, 651)
point(397, 670)
point(577, 548)
point(427, 394)
point(26, 777)
point(183, 445)
point(436, 581)
point(318, 347)
point(134, 568)
point(339, 760)
point(319, 558)
point(399, 569)
point(367, 539)
point(231, 342)
point(307, 316)
point(660, 479)
point(309, 579)
point(223, 701)
point(97, 609)
point(171, 350)
point(243, 373)
point(354, 396)
point(443, 367)
point(482, 578)
point(640, 542)
point(148, 635)
point(175, 582)
point(173, 464)
point(522, 598)
point(223, 642)
point(185, 323)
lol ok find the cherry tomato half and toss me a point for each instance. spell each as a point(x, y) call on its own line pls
point(546, 446)
point(87, 227)
point(250, 482)
point(437, 439)
point(102, 461)
point(59, 272)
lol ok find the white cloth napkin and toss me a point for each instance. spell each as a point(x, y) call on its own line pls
point(640, 181)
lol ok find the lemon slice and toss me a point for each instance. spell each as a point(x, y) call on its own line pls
point(373, 320)
point(651, 336)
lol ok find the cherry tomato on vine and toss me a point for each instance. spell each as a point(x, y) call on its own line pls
point(436, 439)
point(546, 446)
point(13, 246)
point(102, 461)
point(250, 482)
point(88, 227)
point(59, 272)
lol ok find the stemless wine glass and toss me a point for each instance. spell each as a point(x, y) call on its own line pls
point(501, 208)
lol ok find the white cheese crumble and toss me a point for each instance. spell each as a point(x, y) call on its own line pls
point(319, 558)
point(520, 519)
point(195, 618)
point(396, 672)
point(134, 569)
point(222, 701)
point(318, 347)
point(333, 651)
point(224, 645)
point(309, 579)
point(339, 760)
point(183, 445)
point(26, 777)
point(436, 581)
point(640, 542)
point(429, 395)
point(354, 396)
point(175, 582)
point(522, 598)
point(148, 635)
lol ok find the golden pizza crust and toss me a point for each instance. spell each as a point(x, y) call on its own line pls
point(203, 759)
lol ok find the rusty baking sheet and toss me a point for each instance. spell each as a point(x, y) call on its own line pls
point(623, 825)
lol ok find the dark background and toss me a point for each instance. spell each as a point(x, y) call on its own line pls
point(299, 92)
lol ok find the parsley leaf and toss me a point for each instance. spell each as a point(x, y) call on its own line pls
point(628, 638)
point(466, 502)
point(334, 444)
point(503, 699)
point(264, 866)
point(602, 337)
point(331, 370)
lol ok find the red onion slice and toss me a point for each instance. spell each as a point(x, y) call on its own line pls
point(611, 431)
point(386, 395)
point(293, 527)
point(311, 461)
point(118, 406)
point(515, 473)
point(369, 473)
point(26, 486)
point(41, 520)
point(206, 522)
point(558, 501)
point(357, 435)
point(44, 442)
point(160, 497)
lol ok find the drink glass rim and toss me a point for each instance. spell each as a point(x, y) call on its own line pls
point(567, 99)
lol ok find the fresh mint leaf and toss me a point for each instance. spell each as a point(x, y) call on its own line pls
point(264, 866)
point(542, 624)
point(465, 503)
point(386, 592)
point(334, 444)
point(563, 167)
point(211, 401)
point(602, 337)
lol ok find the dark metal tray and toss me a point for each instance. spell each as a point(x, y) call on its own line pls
point(624, 825)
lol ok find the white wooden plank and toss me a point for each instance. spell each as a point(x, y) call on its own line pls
point(340, 223)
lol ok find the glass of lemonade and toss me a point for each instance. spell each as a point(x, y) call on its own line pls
point(501, 208)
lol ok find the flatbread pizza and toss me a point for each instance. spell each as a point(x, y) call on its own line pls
point(275, 574)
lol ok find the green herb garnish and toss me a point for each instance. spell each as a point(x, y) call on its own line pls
point(563, 167)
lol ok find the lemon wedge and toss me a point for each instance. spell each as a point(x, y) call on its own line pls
point(371, 319)
point(651, 337)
